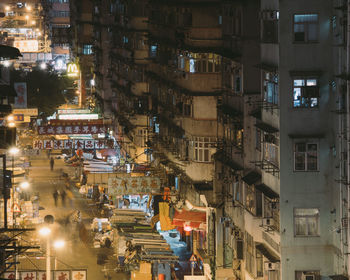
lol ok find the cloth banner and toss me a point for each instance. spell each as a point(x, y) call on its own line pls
point(133, 185)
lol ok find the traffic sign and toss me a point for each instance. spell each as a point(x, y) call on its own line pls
point(193, 258)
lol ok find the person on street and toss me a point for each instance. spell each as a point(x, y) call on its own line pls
point(52, 163)
point(70, 197)
point(63, 197)
point(55, 196)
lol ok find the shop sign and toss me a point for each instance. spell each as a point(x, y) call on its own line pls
point(18, 117)
point(70, 144)
point(41, 275)
point(133, 185)
point(72, 70)
point(77, 122)
point(71, 129)
point(27, 112)
point(73, 111)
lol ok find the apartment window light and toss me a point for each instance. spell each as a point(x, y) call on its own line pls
point(306, 93)
point(305, 28)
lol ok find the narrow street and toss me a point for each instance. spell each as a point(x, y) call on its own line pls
point(78, 252)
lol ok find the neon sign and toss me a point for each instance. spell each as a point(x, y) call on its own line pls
point(72, 70)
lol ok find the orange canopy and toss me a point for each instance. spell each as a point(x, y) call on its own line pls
point(193, 218)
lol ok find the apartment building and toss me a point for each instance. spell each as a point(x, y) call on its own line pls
point(81, 48)
point(284, 218)
point(58, 23)
point(23, 27)
point(242, 104)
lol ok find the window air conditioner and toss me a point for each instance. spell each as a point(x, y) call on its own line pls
point(271, 266)
point(268, 222)
point(308, 276)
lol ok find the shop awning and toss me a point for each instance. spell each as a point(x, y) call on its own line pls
point(191, 218)
point(108, 152)
point(267, 253)
point(251, 178)
point(7, 52)
point(266, 127)
point(267, 191)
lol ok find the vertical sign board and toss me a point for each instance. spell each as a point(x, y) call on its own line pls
point(21, 99)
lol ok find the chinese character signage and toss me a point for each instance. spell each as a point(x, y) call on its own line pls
point(133, 185)
point(61, 275)
point(21, 99)
point(71, 129)
point(70, 144)
point(30, 275)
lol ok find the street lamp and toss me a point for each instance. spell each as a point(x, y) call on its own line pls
point(57, 244)
point(24, 185)
point(45, 232)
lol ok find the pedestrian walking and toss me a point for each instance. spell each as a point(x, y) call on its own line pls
point(63, 197)
point(52, 163)
point(55, 196)
point(70, 197)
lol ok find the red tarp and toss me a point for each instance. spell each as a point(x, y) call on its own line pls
point(194, 219)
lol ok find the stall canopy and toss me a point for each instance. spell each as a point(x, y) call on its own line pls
point(108, 152)
point(193, 218)
point(7, 52)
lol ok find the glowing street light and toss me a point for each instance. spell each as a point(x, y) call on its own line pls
point(43, 66)
point(58, 244)
point(26, 17)
point(24, 185)
point(10, 118)
point(6, 63)
point(7, 8)
point(29, 8)
point(44, 231)
point(14, 151)
point(33, 22)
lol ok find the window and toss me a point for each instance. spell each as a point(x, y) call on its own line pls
point(249, 256)
point(202, 148)
point(234, 135)
point(306, 221)
point(253, 200)
point(259, 264)
point(305, 28)
point(258, 139)
point(306, 93)
point(199, 63)
point(271, 88)
point(307, 275)
point(271, 211)
point(238, 192)
point(306, 157)
point(87, 49)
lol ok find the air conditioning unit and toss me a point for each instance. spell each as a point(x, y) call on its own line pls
point(268, 222)
point(270, 15)
point(271, 266)
point(308, 276)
